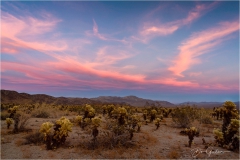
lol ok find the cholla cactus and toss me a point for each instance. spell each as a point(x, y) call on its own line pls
point(157, 122)
point(12, 111)
point(229, 112)
point(145, 115)
point(110, 108)
point(96, 123)
point(232, 134)
point(191, 132)
point(122, 113)
point(153, 115)
point(62, 127)
point(46, 130)
point(218, 135)
point(104, 108)
point(139, 124)
point(9, 121)
point(78, 120)
point(89, 112)
point(134, 120)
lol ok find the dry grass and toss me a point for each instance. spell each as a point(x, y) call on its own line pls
point(173, 154)
point(19, 142)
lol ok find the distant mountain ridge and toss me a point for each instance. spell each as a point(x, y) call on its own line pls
point(8, 96)
point(133, 100)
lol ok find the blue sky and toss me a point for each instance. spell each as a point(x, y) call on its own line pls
point(175, 51)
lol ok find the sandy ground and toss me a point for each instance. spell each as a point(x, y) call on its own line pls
point(164, 143)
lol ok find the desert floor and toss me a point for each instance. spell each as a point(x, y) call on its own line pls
point(149, 143)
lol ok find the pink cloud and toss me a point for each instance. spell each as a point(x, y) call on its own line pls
point(103, 37)
point(201, 43)
point(24, 32)
point(149, 31)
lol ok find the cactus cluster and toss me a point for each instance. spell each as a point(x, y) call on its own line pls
point(89, 112)
point(61, 129)
point(229, 135)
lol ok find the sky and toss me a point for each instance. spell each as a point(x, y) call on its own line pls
point(176, 51)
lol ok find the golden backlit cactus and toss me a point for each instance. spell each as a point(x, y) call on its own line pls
point(96, 121)
point(139, 124)
point(89, 112)
point(157, 122)
point(9, 121)
point(218, 135)
point(145, 115)
point(78, 120)
point(122, 111)
point(46, 129)
point(191, 132)
point(65, 127)
point(12, 111)
point(153, 115)
point(229, 112)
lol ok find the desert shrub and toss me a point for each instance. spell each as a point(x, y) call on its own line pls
point(183, 116)
point(41, 113)
point(23, 120)
point(206, 120)
point(36, 138)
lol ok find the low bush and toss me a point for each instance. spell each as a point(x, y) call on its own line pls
point(184, 116)
point(34, 138)
point(40, 113)
point(206, 120)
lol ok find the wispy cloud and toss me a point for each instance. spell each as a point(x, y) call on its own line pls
point(25, 32)
point(150, 30)
point(201, 43)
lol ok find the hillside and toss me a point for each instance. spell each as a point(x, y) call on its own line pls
point(8, 96)
point(133, 100)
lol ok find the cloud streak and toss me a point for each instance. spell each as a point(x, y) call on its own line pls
point(200, 43)
point(149, 30)
point(24, 32)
